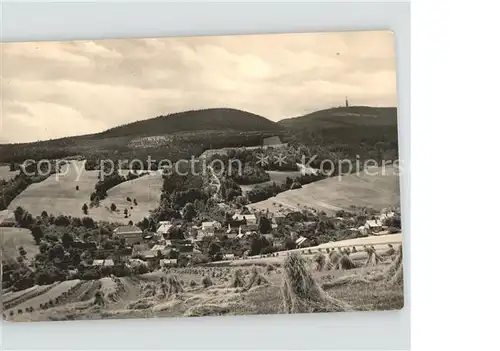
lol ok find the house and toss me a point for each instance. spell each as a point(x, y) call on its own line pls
point(247, 222)
point(269, 237)
point(373, 225)
point(208, 229)
point(300, 241)
point(164, 227)
point(167, 263)
point(228, 257)
point(130, 233)
point(103, 263)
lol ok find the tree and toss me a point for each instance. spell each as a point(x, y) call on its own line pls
point(67, 240)
point(19, 214)
point(130, 223)
point(129, 199)
point(113, 207)
point(88, 222)
point(77, 188)
point(265, 225)
point(125, 212)
point(12, 167)
point(85, 209)
point(22, 252)
point(189, 212)
point(37, 233)
point(135, 202)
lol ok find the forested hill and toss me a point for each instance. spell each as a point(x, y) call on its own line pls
point(199, 120)
point(344, 117)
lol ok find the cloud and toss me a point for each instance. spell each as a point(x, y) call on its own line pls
point(68, 88)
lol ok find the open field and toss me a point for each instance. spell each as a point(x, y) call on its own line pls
point(336, 193)
point(6, 174)
point(12, 238)
point(279, 177)
point(204, 291)
point(146, 190)
point(58, 195)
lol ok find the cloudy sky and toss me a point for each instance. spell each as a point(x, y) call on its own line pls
point(57, 89)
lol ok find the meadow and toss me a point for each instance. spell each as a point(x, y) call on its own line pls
point(59, 195)
point(337, 193)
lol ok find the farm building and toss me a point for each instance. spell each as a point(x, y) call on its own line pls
point(131, 234)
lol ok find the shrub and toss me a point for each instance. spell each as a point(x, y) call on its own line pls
point(206, 281)
point(77, 188)
point(85, 209)
point(129, 199)
point(113, 207)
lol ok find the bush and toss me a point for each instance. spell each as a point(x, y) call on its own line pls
point(129, 199)
point(113, 207)
point(77, 188)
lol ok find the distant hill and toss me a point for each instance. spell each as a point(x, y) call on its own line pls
point(338, 117)
point(185, 134)
point(199, 120)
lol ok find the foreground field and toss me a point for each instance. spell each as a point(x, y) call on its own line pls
point(336, 193)
point(58, 195)
point(203, 291)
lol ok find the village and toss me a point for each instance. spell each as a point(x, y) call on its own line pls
point(161, 249)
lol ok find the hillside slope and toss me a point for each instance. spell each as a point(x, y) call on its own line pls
point(333, 194)
point(344, 117)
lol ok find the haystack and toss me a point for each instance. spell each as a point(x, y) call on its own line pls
point(98, 299)
point(373, 257)
point(256, 279)
point(301, 293)
point(395, 271)
point(390, 251)
point(173, 286)
point(206, 281)
point(346, 263)
point(320, 261)
point(238, 281)
point(334, 260)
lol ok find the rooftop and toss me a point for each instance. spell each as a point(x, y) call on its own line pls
point(127, 229)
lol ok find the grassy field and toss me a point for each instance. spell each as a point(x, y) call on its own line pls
point(13, 238)
point(146, 190)
point(278, 177)
point(336, 193)
point(6, 174)
point(58, 195)
point(204, 291)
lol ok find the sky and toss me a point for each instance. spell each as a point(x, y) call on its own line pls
point(57, 89)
